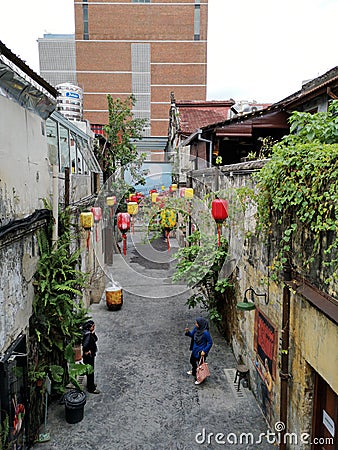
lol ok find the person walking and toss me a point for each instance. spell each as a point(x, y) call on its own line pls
point(201, 343)
point(89, 350)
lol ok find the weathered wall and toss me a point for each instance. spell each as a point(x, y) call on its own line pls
point(24, 168)
point(313, 336)
point(18, 263)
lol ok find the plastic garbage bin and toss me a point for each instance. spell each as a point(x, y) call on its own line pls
point(74, 405)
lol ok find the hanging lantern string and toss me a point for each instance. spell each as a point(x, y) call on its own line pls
point(124, 237)
point(88, 238)
point(219, 233)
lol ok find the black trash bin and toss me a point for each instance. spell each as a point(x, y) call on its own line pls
point(74, 405)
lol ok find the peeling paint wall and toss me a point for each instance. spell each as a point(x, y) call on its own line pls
point(18, 263)
point(24, 168)
point(313, 336)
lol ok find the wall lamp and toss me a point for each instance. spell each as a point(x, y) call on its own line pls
point(248, 305)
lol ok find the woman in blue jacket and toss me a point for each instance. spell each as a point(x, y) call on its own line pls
point(201, 343)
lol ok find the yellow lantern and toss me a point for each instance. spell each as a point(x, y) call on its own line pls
point(174, 187)
point(168, 218)
point(132, 208)
point(168, 222)
point(87, 220)
point(111, 201)
point(188, 193)
point(154, 196)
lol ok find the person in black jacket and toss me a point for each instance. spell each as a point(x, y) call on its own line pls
point(89, 349)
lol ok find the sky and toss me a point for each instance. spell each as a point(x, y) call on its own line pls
point(258, 50)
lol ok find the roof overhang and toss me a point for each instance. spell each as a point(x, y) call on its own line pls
point(271, 120)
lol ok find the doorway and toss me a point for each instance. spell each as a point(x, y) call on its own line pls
point(325, 414)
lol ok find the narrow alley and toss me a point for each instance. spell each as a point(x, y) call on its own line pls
point(147, 400)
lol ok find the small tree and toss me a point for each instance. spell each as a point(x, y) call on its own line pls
point(118, 152)
point(199, 265)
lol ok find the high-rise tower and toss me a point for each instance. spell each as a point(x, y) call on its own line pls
point(148, 48)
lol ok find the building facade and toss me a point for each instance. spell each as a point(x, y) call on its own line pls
point(57, 58)
point(148, 48)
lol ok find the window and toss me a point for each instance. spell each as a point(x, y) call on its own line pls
point(197, 21)
point(85, 22)
point(141, 1)
point(52, 141)
point(64, 148)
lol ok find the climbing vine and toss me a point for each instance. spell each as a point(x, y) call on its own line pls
point(298, 187)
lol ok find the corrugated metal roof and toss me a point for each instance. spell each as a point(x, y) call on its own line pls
point(26, 69)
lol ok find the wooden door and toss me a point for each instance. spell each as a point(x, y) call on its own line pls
point(325, 416)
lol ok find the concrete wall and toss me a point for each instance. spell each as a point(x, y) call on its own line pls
point(18, 263)
point(24, 182)
point(24, 168)
point(313, 336)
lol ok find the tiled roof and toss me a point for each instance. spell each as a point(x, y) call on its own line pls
point(194, 115)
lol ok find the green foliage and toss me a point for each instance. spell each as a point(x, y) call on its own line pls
point(119, 151)
point(75, 370)
point(321, 127)
point(58, 311)
point(199, 265)
point(57, 315)
point(299, 185)
point(4, 432)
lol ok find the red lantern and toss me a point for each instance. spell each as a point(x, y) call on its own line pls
point(133, 198)
point(97, 213)
point(123, 224)
point(219, 211)
point(182, 192)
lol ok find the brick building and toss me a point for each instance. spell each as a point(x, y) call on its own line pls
point(148, 48)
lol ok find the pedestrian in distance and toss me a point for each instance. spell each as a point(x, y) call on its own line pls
point(200, 345)
point(89, 350)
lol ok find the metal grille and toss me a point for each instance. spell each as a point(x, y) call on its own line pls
point(140, 64)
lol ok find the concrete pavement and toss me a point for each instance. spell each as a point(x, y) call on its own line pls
point(147, 400)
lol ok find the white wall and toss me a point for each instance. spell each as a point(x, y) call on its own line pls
point(24, 168)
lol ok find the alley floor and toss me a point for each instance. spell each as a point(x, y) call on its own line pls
point(147, 400)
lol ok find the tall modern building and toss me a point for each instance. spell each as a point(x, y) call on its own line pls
point(57, 58)
point(148, 48)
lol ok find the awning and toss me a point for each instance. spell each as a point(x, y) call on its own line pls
point(272, 120)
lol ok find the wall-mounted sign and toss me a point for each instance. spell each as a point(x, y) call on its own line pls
point(328, 423)
point(72, 95)
point(265, 340)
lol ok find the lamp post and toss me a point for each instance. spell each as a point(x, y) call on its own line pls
point(189, 195)
point(109, 231)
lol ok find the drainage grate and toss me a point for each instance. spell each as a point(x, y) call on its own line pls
point(230, 376)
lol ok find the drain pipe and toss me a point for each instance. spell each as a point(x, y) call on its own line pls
point(55, 203)
point(284, 370)
point(199, 132)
